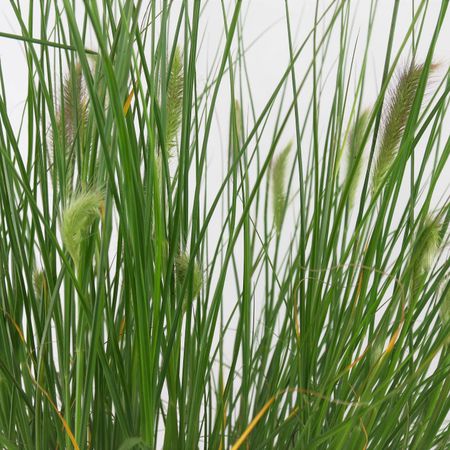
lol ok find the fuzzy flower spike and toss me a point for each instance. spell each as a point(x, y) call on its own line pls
point(77, 219)
point(174, 100)
point(355, 160)
point(279, 186)
point(181, 268)
point(398, 108)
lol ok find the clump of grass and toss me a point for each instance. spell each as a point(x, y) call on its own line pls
point(279, 167)
point(77, 219)
point(301, 339)
point(398, 107)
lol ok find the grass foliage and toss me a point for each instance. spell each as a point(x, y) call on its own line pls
point(294, 297)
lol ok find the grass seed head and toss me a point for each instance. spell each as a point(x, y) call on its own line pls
point(78, 217)
point(72, 111)
point(75, 102)
point(444, 310)
point(174, 100)
point(71, 120)
point(425, 249)
point(427, 243)
point(398, 107)
point(39, 282)
point(354, 162)
point(181, 269)
point(444, 307)
point(279, 186)
point(239, 121)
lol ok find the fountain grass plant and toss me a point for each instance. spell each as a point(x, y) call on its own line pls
point(148, 301)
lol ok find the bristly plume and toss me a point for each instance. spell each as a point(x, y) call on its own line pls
point(426, 246)
point(181, 270)
point(444, 310)
point(73, 109)
point(236, 126)
point(71, 120)
point(398, 108)
point(39, 283)
point(355, 142)
point(239, 122)
point(279, 186)
point(444, 307)
point(75, 105)
point(174, 100)
point(77, 219)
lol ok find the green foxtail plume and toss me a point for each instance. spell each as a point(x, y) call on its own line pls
point(73, 110)
point(427, 242)
point(279, 186)
point(174, 100)
point(354, 165)
point(398, 107)
point(444, 307)
point(39, 282)
point(75, 106)
point(71, 120)
point(181, 270)
point(444, 310)
point(426, 246)
point(239, 122)
point(77, 218)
